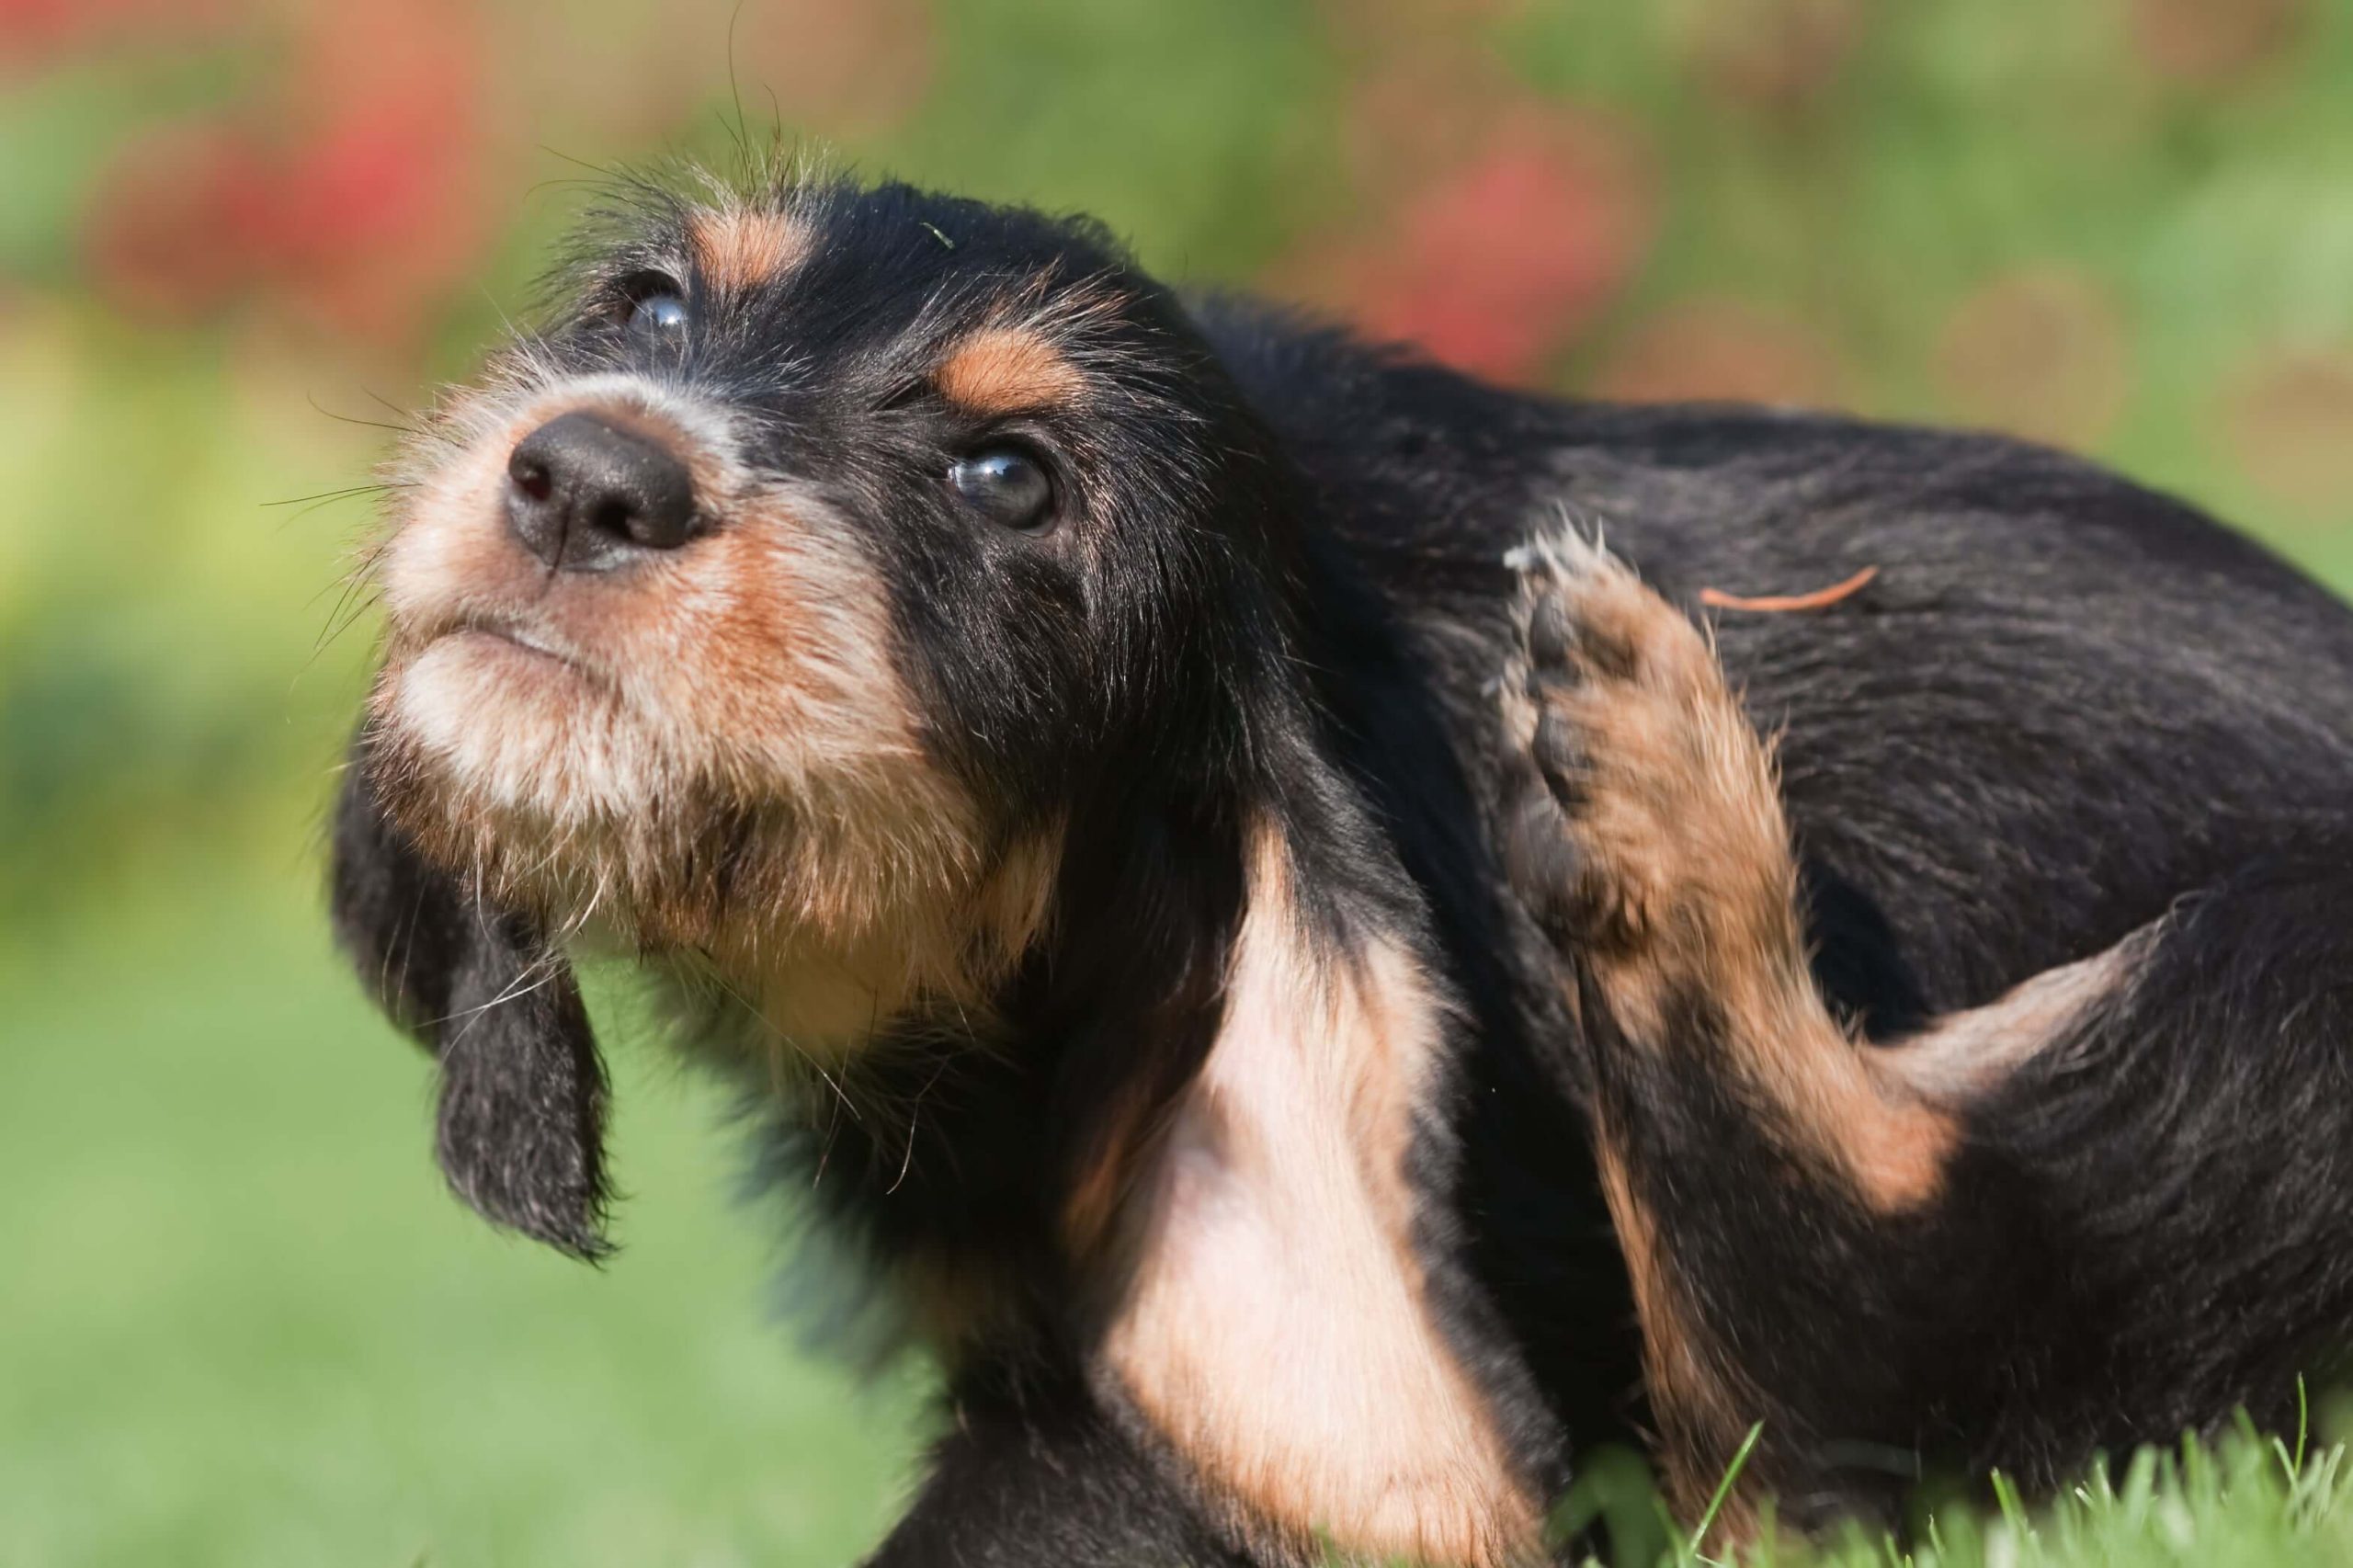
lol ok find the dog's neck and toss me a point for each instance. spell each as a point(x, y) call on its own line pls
point(797, 996)
point(1192, 1130)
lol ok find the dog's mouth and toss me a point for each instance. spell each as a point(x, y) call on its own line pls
point(505, 645)
point(515, 707)
point(534, 644)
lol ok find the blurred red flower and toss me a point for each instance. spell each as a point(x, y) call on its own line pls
point(180, 226)
point(1499, 262)
point(36, 30)
point(352, 196)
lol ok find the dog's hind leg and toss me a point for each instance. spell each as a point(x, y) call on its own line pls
point(2111, 1204)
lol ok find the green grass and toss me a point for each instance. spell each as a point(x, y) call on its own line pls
point(2247, 1501)
point(241, 1324)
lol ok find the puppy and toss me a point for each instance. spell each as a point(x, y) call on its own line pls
point(1294, 967)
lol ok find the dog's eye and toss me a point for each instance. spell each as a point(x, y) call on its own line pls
point(658, 315)
point(1007, 486)
point(655, 308)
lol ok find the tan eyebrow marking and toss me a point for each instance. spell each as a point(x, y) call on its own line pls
point(743, 247)
point(1004, 370)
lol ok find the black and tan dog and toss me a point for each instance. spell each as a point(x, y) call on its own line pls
point(1292, 963)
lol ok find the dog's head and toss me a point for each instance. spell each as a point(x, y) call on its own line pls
point(770, 611)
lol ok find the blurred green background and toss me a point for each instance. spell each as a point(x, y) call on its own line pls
point(240, 1323)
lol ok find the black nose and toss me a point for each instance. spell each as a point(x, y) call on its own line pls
point(583, 496)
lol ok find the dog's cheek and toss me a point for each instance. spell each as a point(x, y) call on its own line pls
point(796, 673)
point(448, 544)
point(797, 693)
point(1022, 694)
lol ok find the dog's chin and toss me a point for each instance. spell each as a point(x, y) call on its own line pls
point(521, 729)
point(832, 895)
point(525, 771)
point(498, 783)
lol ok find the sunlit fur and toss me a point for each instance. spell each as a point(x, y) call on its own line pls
point(1307, 1039)
point(947, 812)
point(722, 760)
point(716, 755)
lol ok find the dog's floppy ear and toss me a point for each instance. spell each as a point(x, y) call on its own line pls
point(1278, 1243)
point(522, 1112)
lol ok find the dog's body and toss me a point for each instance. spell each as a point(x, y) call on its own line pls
point(1325, 1013)
point(2063, 708)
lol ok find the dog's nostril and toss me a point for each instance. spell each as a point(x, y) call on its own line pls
point(585, 495)
point(530, 478)
point(616, 517)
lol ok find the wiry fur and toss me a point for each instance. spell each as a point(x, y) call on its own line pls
point(1979, 1175)
point(1268, 922)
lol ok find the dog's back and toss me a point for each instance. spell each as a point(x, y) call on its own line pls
point(2056, 690)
